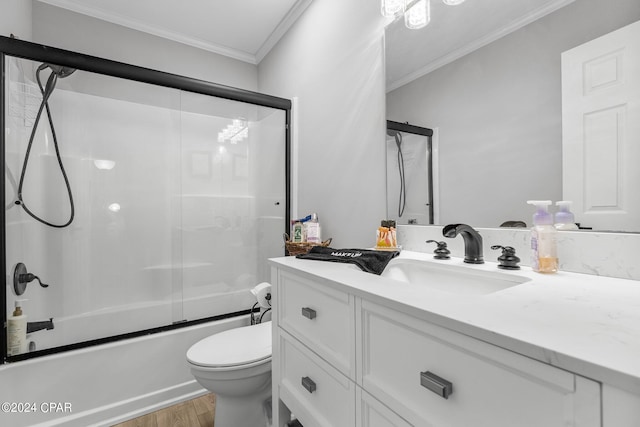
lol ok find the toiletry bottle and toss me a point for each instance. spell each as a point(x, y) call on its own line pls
point(564, 219)
point(544, 252)
point(298, 233)
point(17, 331)
point(386, 235)
point(313, 229)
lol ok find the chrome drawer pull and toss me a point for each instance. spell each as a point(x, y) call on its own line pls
point(439, 386)
point(309, 313)
point(308, 384)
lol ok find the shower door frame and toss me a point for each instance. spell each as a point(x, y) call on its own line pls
point(418, 130)
point(42, 53)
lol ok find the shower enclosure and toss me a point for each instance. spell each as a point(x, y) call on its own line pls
point(143, 200)
point(410, 176)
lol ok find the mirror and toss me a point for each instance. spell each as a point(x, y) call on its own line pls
point(486, 76)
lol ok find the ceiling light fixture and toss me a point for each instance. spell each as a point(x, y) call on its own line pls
point(417, 13)
point(392, 8)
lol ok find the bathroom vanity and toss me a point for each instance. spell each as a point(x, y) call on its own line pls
point(422, 345)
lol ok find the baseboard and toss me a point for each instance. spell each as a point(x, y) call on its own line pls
point(108, 415)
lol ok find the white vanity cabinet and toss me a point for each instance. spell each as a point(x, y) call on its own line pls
point(432, 376)
point(619, 407)
point(372, 413)
point(313, 352)
point(341, 360)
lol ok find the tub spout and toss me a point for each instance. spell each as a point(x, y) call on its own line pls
point(38, 326)
point(472, 241)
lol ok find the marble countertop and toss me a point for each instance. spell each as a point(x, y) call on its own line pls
point(586, 324)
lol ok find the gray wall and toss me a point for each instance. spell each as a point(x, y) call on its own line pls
point(332, 61)
point(498, 114)
point(64, 29)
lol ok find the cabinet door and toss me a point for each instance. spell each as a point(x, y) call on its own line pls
point(410, 364)
point(620, 408)
point(372, 413)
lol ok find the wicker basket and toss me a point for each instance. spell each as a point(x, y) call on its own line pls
point(297, 248)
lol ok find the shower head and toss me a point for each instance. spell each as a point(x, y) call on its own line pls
point(58, 70)
point(397, 135)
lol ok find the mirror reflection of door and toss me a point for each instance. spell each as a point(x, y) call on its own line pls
point(601, 130)
point(409, 174)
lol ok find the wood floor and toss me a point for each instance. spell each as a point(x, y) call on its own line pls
point(192, 413)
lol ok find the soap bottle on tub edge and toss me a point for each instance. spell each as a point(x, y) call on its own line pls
point(17, 331)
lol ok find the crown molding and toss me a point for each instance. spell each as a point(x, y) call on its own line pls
point(272, 40)
point(478, 43)
point(284, 25)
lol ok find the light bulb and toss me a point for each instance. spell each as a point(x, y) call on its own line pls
point(417, 14)
point(391, 8)
point(452, 2)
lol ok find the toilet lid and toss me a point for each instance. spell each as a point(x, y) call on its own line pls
point(238, 346)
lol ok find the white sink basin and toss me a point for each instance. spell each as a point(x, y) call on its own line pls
point(449, 278)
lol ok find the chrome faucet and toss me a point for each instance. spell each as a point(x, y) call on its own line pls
point(472, 241)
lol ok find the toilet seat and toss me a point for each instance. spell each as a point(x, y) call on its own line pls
point(238, 347)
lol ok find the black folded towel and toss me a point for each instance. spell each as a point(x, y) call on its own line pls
point(368, 260)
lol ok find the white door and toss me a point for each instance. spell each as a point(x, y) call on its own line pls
point(601, 130)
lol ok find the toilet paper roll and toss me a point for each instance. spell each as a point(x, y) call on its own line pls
point(262, 293)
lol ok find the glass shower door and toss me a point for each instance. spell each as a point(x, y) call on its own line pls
point(178, 200)
point(233, 201)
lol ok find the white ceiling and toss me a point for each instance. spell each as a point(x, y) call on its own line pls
point(455, 31)
point(247, 29)
point(241, 29)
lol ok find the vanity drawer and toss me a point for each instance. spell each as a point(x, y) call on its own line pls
point(410, 364)
point(321, 318)
point(315, 392)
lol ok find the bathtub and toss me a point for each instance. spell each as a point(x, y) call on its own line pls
point(104, 384)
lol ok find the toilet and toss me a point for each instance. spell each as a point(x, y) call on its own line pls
point(235, 365)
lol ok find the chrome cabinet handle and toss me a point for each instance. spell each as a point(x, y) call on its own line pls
point(434, 383)
point(308, 384)
point(309, 313)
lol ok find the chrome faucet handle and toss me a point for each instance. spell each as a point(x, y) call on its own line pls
point(441, 252)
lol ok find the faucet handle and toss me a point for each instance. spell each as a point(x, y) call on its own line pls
point(508, 260)
point(21, 277)
point(441, 252)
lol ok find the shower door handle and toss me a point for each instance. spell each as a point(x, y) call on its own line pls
point(309, 313)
